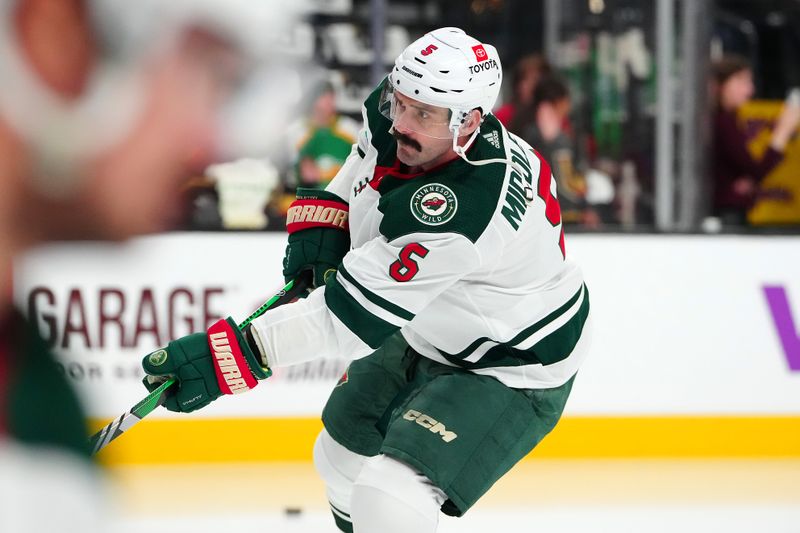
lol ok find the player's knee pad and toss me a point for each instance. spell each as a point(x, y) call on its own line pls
point(338, 467)
point(390, 496)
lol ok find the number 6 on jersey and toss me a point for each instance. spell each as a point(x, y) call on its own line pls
point(405, 268)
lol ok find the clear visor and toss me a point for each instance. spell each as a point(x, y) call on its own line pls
point(409, 115)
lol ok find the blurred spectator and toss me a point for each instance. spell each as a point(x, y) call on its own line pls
point(322, 141)
point(543, 126)
point(526, 75)
point(96, 135)
point(736, 174)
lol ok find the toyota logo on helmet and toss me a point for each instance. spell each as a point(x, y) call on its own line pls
point(448, 68)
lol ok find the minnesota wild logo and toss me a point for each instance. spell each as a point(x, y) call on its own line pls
point(434, 204)
point(158, 358)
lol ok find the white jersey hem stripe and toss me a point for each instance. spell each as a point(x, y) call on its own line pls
point(552, 326)
point(538, 376)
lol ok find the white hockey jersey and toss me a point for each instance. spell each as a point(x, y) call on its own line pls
point(468, 262)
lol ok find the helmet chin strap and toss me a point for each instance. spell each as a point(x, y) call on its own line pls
point(461, 151)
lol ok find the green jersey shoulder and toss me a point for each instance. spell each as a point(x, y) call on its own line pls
point(454, 198)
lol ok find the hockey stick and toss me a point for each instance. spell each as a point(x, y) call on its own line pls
point(124, 422)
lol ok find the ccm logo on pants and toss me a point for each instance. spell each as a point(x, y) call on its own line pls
point(430, 424)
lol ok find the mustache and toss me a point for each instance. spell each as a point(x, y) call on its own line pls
point(405, 139)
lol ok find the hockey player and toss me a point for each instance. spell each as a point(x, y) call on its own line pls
point(440, 266)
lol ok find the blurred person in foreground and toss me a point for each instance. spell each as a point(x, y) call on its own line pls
point(544, 126)
point(736, 173)
point(439, 259)
point(97, 127)
point(321, 142)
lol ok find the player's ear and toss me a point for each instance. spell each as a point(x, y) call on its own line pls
point(471, 123)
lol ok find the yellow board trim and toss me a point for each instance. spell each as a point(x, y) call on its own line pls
point(202, 440)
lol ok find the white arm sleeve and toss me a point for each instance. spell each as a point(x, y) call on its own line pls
point(354, 313)
point(303, 331)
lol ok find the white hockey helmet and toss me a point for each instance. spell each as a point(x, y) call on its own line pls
point(448, 68)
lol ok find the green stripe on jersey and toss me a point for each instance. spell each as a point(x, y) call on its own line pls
point(530, 330)
point(558, 345)
point(369, 328)
point(553, 348)
point(524, 334)
point(374, 298)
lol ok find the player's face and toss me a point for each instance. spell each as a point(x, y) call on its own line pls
point(421, 131)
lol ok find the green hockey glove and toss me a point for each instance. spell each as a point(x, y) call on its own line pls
point(205, 366)
point(319, 236)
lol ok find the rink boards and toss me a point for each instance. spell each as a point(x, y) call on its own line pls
point(696, 349)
